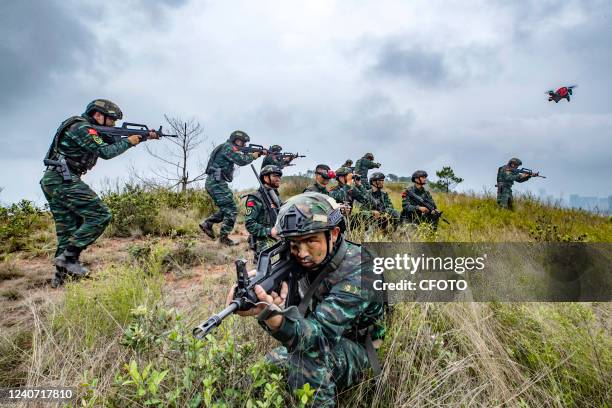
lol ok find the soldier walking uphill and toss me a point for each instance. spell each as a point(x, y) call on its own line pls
point(328, 330)
point(379, 206)
point(79, 214)
point(323, 175)
point(220, 171)
point(364, 164)
point(506, 176)
point(275, 158)
point(412, 210)
point(259, 221)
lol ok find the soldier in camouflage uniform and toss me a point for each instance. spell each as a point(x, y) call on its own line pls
point(257, 220)
point(348, 164)
point(323, 175)
point(79, 214)
point(328, 334)
point(346, 192)
point(378, 205)
point(364, 164)
point(275, 158)
point(412, 210)
point(220, 171)
point(506, 176)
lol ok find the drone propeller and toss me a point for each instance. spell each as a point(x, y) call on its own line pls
point(572, 86)
point(549, 92)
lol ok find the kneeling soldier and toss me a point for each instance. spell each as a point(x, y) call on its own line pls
point(259, 220)
point(413, 211)
point(378, 204)
point(347, 191)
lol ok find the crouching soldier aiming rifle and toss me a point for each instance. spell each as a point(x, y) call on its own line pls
point(276, 157)
point(364, 165)
point(80, 215)
point(417, 203)
point(311, 300)
point(262, 208)
point(220, 172)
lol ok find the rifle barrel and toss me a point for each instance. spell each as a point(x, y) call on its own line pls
point(206, 327)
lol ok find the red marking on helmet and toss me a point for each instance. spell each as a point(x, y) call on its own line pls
point(331, 174)
point(250, 203)
point(92, 131)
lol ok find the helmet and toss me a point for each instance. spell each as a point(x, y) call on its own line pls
point(348, 162)
point(343, 171)
point(417, 174)
point(324, 171)
point(516, 161)
point(369, 156)
point(276, 148)
point(376, 176)
point(308, 213)
point(105, 107)
point(239, 135)
point(270, 169)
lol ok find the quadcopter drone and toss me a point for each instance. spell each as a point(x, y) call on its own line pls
point(562, 93)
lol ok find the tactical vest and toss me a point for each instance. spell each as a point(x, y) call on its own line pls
point(501, 180)
point(219, 173)
point(87, 159)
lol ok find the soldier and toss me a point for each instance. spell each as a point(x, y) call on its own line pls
point(364, 164)
point(412, 210)
point(79, 214)
point(323, 174)
point(220, 171)
point(348, 164)
point(275, 158)
point(379, 204)
point(325, 332)
point(347, 191)
point(258, 221)
point(506, 176)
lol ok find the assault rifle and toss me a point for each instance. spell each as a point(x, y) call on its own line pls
point(291, 156)
point(114, 134)
point(529, 172)
point(433, 211)
point(254, 148)
point(274, 267)
point(272, 205)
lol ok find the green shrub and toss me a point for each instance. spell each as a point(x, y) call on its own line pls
point(20, 225)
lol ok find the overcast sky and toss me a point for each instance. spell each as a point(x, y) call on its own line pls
point(420, 84)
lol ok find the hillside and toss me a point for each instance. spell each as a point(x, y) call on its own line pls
point(124, 336)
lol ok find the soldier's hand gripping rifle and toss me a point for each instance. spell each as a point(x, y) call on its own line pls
point(529, 172)
point(114, 134)
point(272, 206)
point(433, 211)
point(275, 266)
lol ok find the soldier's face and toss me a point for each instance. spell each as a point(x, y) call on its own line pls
point(322, 180)
point(310, 250)
point(274, 180)
point(109, 121)
point(239, 142)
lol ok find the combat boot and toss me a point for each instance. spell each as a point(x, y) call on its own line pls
point(207, 228)
point(58, 278)
point(224, 240)
point(69, 260)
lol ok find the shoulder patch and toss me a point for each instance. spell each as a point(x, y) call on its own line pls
point(92, 131)
point(96, 138)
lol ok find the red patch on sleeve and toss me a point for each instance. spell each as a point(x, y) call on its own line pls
point(404, 194)
point(92, 131)
point(250, 204)
point(234, 148)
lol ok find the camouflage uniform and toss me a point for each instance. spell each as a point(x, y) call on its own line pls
point(362, 167)
point(506, 177)
point(316, 188)
point(273, 160)
point(258, 222)
point(80, 215)
point(410, 211)
point(347, 194)
point(324, 345)
point(379, 201)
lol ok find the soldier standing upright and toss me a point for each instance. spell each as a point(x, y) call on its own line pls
point(258, 220)
point(80, 215)
point(363, 165)
point(506, 176)
point(323, 175)
point(220, 171)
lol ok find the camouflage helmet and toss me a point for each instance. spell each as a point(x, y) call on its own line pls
point(308, 213)
point(348, 163)
point(239, 135)
point(516, 161)
point(276, 148)
point(269, 169)
point(105, 107)
point(417, 174)
point(369, 156)
point(343, 171)
point(377, 176)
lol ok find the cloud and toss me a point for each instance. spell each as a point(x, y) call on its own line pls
point(40, 39)
point(422, 66)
